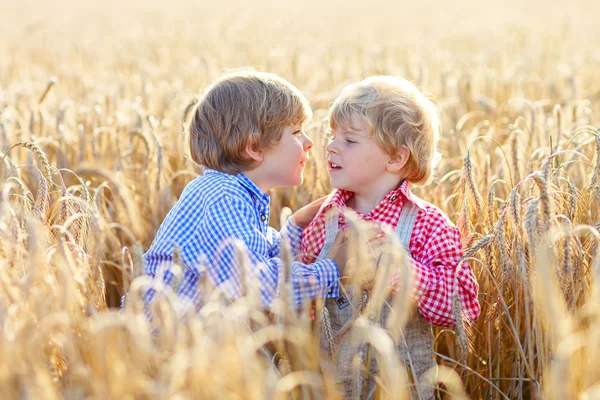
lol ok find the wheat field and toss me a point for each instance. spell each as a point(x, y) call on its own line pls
point(93, 157)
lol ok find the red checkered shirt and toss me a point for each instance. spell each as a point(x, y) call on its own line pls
point(435, 246)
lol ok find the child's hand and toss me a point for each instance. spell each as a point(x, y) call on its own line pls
point(365, 250)
point(339, 250)
point(303, 216)
point(363, 266)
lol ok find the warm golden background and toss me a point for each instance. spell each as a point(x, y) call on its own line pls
point(91, 100)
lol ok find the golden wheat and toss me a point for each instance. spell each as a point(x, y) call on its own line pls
point(93, 157)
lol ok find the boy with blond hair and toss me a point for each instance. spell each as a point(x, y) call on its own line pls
point(384, 133)
point(247, 132)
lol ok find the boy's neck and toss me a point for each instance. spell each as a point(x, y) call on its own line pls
point(365, 202)
point(258, 180)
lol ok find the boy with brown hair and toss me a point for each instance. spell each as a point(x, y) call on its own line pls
point(247, 132)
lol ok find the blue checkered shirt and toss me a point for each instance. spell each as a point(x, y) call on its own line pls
point(213, 212)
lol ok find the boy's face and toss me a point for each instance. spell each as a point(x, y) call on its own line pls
point(283, 165)
point(356, 162)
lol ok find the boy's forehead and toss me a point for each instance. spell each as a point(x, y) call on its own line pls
point(296, 124)
point(355, 123)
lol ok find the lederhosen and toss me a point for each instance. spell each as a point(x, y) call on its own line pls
point(416, 343)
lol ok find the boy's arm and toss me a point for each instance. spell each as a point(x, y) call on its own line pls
point(294, 235)
point(294, 226)
point(435, 274)
point(228, 224)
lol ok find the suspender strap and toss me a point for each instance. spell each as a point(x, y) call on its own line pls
point(332, 217)
point(406, 222)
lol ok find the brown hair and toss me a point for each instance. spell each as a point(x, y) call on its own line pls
point(398, 114)
point(242, 107)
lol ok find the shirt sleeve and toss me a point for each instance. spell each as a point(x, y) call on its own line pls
point(233, 270)
point(435, 272)
point(292, 232)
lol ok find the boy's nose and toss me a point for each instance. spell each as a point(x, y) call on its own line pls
point(331, 147)
point(308, 143)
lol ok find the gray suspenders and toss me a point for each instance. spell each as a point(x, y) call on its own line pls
point(331, 229)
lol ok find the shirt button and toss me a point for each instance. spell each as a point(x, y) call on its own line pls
point(394, 198)
point(263, 217)
point(329, 291)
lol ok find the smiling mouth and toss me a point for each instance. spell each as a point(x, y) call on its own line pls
point(334, 166)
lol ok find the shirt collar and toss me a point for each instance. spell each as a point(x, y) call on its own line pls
point(340, 197)
point(261, 198)
point(404, 189)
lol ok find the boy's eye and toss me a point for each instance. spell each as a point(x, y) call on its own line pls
point(297, 132)
point(348, 141)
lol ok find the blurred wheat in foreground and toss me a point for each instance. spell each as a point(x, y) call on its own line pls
point(92, 158)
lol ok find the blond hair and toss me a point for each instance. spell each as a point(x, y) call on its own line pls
point(240, 108)
point(398, 114)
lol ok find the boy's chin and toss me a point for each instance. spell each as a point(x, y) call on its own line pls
point(296, 181)
point(338, 185)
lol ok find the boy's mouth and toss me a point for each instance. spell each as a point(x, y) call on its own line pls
point(333, 166)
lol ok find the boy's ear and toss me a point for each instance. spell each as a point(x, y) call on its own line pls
point(252, 151)
point(398, 160)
